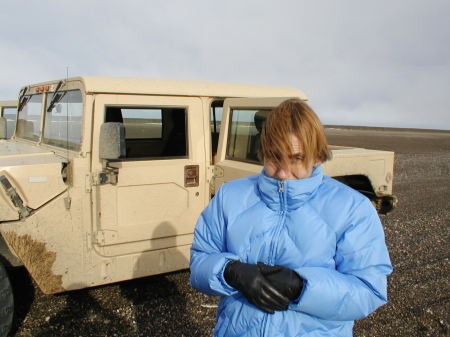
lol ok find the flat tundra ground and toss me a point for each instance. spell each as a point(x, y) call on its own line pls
point(417, 234)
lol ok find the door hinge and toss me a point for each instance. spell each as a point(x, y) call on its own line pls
point(105, 237)
point(109, 175)
point(218, 171)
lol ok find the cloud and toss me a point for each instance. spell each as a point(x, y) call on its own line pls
point(360, 63)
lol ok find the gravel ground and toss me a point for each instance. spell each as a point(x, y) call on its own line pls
point(417, 234)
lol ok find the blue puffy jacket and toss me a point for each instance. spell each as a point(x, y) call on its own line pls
point(325, 231)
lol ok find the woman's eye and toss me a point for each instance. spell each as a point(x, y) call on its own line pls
point(298, 158)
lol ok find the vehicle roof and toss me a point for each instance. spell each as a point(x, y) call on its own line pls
point(8, 103)
point(122, 85)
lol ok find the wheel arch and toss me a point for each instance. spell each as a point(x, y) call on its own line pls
point(362, 184)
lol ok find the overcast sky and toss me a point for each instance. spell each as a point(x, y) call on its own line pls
point(376, 63)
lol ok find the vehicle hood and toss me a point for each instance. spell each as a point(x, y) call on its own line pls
point(30, 176)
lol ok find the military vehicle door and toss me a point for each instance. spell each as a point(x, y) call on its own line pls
point(242, 121)
point(158, 195)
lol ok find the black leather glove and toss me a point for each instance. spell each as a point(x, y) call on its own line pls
point(248, 279)
point(285, 280)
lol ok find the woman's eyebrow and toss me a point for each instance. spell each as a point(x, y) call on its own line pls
point(296, 155)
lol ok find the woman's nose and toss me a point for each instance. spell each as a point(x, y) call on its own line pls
point(281, 174)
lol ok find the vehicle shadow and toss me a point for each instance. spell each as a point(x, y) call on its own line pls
point(160, 303)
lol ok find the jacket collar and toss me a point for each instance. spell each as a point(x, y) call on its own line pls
point(288, 194)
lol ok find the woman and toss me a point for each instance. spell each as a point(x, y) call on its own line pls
point(291, 251)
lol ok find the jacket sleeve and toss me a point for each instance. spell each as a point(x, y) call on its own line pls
point(208, 252)
point(358, 284)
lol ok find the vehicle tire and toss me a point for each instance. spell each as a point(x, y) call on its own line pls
point(6, 302)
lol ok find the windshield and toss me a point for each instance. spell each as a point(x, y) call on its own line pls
point(63, 123)
point(29, 121)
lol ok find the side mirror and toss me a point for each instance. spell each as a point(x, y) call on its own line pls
point(112, 141)
point(3, 128)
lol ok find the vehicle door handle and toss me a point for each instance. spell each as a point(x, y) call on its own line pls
point(191, 178)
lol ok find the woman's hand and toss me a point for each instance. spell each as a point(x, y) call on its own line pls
point(285, 280)
point(248, 279)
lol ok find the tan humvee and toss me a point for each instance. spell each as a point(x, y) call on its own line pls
point(8, 110)
point(105, 178)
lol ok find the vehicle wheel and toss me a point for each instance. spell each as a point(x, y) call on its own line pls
point(6, 302)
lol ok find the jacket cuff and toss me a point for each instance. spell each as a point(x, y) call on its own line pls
point(305, 299)
point(226, 288)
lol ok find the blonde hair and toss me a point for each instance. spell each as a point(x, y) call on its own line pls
point(294, 117)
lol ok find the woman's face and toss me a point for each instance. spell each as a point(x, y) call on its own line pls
point(297, 168)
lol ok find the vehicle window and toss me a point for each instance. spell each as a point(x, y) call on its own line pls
point(10, 115)
point(142, 123)
point(29, 119)
point(63, 123)
point(244, 134)
point(152, 132)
